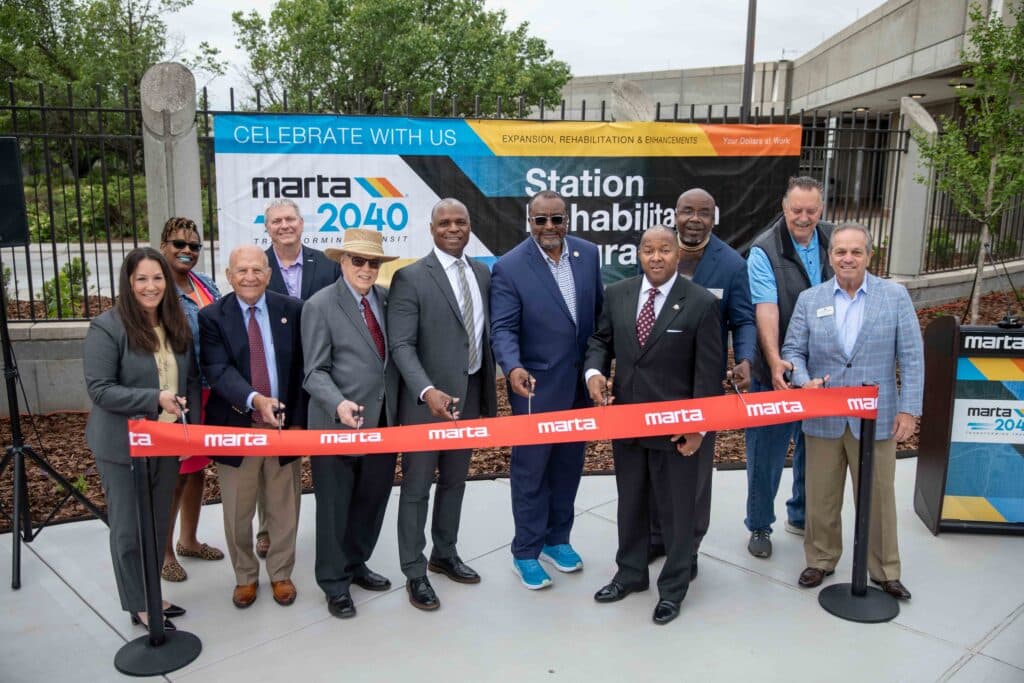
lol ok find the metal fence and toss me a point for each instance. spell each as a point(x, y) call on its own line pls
point(86, 192)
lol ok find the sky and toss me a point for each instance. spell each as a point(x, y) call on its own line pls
point(594, 36)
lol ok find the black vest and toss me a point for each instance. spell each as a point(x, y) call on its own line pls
point(790, 278)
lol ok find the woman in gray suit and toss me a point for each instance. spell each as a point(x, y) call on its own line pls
point(139, 361)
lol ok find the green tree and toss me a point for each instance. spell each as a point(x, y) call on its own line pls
point(346, 54)
point(978, 159)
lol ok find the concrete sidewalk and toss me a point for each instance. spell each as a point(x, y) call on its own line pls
point(743, 619)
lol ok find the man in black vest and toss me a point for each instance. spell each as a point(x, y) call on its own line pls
point(787, 258)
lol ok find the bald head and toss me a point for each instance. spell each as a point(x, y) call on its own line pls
point(447, 203)
point(695, 216)
point(248, 272)
point(449, 226)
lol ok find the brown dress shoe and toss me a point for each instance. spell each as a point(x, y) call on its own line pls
point(284, 592)
point(244, 595)
point(262, 544)
point(894, 588)
point(812, 576)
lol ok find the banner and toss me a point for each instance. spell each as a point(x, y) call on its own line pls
point(150, 438)
point(386, 173)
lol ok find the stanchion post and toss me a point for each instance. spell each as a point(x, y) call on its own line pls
point(160, 651)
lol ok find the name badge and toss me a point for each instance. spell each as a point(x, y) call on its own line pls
point(717, 293)
point(826, 310)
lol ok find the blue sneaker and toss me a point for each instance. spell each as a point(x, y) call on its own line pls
point(531, 574)
point(562, 557)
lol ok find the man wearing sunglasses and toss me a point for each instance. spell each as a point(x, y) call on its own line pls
point(295, 270)
point(546, 295)
point(351, 381)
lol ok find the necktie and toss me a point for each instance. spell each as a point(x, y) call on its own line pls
point(374, 327)
point(259, 374)
point(467, 312)
point(645, 321)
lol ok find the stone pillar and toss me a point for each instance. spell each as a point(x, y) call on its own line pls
point(913, 199)
point(170, 146)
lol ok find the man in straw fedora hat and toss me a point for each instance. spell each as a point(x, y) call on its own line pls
point(352, 381)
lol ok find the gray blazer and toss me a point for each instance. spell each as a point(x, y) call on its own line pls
point(124, 383)
point(341, 360)
point(429, 342)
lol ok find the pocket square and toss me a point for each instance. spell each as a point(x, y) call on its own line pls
point(674, 331)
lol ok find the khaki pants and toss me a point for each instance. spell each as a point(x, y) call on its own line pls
point(827, 462)
point(281, 486)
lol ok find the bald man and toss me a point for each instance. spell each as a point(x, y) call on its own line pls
point(251, 354)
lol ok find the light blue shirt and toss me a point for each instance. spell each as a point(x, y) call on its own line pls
point(292, 276)
point(763, 288)
point(562, 272)
point(263, 320)
point(849, 314)
point(371, 296)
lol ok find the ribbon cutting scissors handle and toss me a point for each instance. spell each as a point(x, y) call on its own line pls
point(181, 412)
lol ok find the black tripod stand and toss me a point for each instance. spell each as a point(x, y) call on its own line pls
point(17, 452)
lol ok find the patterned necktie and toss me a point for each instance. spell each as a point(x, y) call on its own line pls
point(374, 327)
point(645, 321)
point(467, 312)
point(259, 374)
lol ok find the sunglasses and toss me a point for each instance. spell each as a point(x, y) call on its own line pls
point(181, 244)
point(556, 219)
point(359, 262)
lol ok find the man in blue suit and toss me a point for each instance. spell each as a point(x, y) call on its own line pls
point(852, 329)
point(718, 268)
point(546, 295)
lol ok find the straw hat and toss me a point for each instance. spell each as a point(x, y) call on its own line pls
point(366, 243)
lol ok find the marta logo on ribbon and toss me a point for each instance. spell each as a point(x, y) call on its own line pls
point(135, 439)
point(672, 417)
point(868, 403)
point(234, 440)
point(774, 408)
point(584, 424)
point(459, 433)
point(335, 438)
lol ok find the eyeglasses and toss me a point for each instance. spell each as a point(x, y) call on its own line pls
point(181, 244)
point(556, 219)
point(359, 262)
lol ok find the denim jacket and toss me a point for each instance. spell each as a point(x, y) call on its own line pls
point(192, 310)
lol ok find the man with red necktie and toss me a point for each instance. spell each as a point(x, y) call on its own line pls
point(351, 383)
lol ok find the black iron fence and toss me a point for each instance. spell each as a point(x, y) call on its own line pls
point(86, 192)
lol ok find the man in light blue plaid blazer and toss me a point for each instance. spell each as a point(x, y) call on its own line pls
point(852, 329)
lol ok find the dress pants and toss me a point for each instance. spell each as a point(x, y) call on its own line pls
point(123, 516)
point(702, 514)
point(827, 461)
point(282, 488)
point(417, 475)
point(351, 498)
point(544, 483)
point(672, 479)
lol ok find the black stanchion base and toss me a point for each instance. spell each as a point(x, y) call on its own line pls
point(140, 658)
point(873, 607)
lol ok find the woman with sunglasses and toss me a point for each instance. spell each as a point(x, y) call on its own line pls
point(180, 244)
point(140, 363)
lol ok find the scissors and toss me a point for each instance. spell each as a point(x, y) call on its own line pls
point(279, 413)
point(451, 411)
point(357, 415)
point(181, 411)
point(732, 381)
point(529, 396)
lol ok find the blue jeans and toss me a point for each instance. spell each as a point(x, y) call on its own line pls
point(766, 457)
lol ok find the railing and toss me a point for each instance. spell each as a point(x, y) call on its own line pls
point(86, 192)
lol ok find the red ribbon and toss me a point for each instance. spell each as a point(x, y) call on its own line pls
point(150, 438)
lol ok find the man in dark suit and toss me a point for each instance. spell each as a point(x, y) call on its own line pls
point(295, 270)
point(546, 294)
point(251, 355)
point(711, 263)
point(664, 333)
point(351, 380)
point(438, 319)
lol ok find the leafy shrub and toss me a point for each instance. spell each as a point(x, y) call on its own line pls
point(63, 294)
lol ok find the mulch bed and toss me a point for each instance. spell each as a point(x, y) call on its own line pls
point(60, 438)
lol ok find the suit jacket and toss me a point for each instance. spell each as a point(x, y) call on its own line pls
point(318, 272)
point(889, 333)
point(342, 360)
point(681, 358)
point(531, 327)
point(428, 341)
point(722, 268)
point(123, 383)
point(224, 357)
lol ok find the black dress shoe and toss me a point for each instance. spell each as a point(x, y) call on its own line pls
point(654, 551)
point(665, 611)
point(894, 588)
point(341, 606)
point(455, 569)
point(615, 591)
point(372, 581)
point(168, 624)
point(421, 594)
point(174, 611)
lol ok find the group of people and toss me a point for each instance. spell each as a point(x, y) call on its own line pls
point(310, 340)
